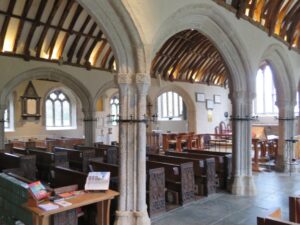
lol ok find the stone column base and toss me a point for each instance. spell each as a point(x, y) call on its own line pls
point(243, 186)
point(142, 218)
point(124, 218)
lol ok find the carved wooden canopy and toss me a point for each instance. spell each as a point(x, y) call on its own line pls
point(280, 18)
point(60, 31)
point(190, 56)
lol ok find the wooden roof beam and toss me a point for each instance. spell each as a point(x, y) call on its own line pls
point(10, 9)
point(240, 10)
point(62, 19)
point(288, 18)
point(85, 42)
point(69, 31)
point(252, 8)
point(39, 44)
point(33, 28)
point(104, 59)
point(21, 23)
point(40, 23)
point(99, 51)
point(75, 42)
point(91, 48)
point(281, 15)
point(293, 28)
point(273, 15)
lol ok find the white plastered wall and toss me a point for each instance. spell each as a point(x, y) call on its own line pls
point(32, 128)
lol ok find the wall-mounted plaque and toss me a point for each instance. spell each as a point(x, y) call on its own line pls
point(30, 102)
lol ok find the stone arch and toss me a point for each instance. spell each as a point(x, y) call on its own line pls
point(53, 74)
point(102, 90)
point(276, 56)
point(64, 78)
point(187, 100)
point(286, 85)
point(210, 22)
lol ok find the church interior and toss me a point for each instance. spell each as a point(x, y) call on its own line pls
point(191, 106)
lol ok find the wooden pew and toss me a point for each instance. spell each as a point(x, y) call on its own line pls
point(180, 181)
point(219, 162)
point(64, 177)
point(110, 153)
point(204, 171)
point(294, 209)
point(273, 219)
point(155, 184)
point(78, 159)
point(45, 161)
point(24, 164)
point(102, 166)
point(156, 197)
point(227, 159)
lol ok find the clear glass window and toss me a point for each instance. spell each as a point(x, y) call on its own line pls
point(170, 106)
point(58, 110)
point(265, 92)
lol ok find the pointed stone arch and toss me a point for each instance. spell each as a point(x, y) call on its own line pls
point(209, 21)
point(285, 84)
point(58, 75)
point(189, 102)
point(276, 56)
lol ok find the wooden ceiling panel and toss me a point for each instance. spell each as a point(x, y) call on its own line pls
point(190, 56)
point(279, 18)
point(59, 31)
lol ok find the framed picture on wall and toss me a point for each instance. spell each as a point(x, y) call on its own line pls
point(217, 99)
point(209, 104)
point(200, 97)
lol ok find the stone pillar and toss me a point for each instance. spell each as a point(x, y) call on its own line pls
point(124, 215)
point(143, 83)
point(286, 131)
point(89, 128)
point(2, 132)
point(243, 183)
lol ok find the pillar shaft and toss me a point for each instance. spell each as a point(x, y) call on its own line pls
point(286, 131)
point(143, 83)
point(243, 183)
point(132, 208)
point(2, 131)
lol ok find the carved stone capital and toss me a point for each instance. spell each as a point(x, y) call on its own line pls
point(142, 78)
point(124, 78)
point(143, 83)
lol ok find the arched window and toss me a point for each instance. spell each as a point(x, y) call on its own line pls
point(58, 109)
point(170, 106)
point(6, 119)
point(9, 116)
point(114, 108)
point(265, 92)
point(296, 108)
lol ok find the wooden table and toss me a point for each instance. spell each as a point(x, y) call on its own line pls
point(41, 217)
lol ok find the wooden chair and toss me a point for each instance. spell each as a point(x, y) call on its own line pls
point(294, 209)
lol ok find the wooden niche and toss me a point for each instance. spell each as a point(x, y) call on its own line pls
point(30, 103)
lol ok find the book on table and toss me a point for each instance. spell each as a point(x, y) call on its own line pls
point(38, 191)
point(97, 181)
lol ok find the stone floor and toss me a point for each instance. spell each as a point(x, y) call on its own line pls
point(273, 190)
